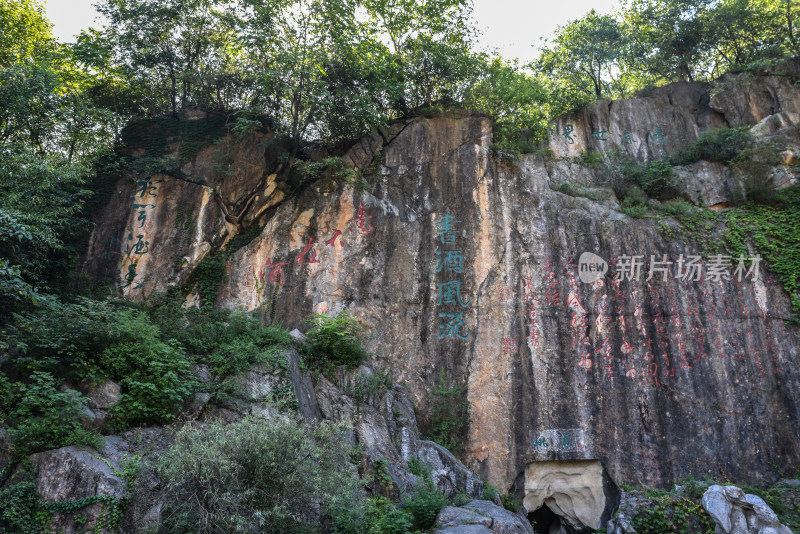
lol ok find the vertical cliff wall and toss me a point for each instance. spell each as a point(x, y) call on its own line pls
point(672, 360)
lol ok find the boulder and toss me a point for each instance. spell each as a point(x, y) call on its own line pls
point(478, 515)
point(104, 395)
point(69, 474)
point(735, 512)
point(450, 476)
point(579, 491)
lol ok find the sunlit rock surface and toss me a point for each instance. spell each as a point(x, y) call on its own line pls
point(465, 265)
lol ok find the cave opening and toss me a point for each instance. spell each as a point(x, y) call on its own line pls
point(543, 519)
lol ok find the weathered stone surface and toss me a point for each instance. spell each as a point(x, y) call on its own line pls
point(452, 516)
point(197, 405)
point(449, 474)
point(707, 183)
point(482, 513)
point(737, 513)
point(577, 491)
point(655, 379)
point(303, 387)
point(103, 395)
point(385, 425)
point(667, 119)
point(745, 100)
point(464, 529)
point(71, 473)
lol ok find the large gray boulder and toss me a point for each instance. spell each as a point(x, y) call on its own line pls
point(480, 516)
point(104, 395)
point(69, 474)
point(738, 513)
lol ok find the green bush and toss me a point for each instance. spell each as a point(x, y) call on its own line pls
point(22, 511)
point(91, 341)
point(722, 145)
point(364, 385)
point(420, 468)
point(377, 515)
point(509, 503)
point(624, 172)
point(335, 340)
point(449, 416)
point(678, 208)
point(425, 504)
point(489, 492)
point(40, 417)
point(203, 331)
point(256, 475)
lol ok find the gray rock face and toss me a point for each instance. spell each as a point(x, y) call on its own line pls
point(103, 395)
point(449, 474)
point(477, 515)
point(737, 513)
point(385, 425)
point(579, 492)
point(464, 529)
point(465, 266)
point(69, 474)
point(303, 387)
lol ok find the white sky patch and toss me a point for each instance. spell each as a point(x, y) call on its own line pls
point(512, 27)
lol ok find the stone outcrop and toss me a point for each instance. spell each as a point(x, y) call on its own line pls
point(466, 267)
point(737, 513)
point(579, 492)
point(386, 426)
point(69, 474)
point(480, 516)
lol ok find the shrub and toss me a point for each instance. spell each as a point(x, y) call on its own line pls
point(420, 468)
point(40, 417)
point(489, 492)
point(624, 172)
point(22, 511)
point(264, 475)
point(364, 385)
point(509, 503)
point(93, 341)
point(449, 416)
point(678, 208)
point(425, 504)
point(203, 330)
point(722, 145)
point(377, 515)
point(335, 340)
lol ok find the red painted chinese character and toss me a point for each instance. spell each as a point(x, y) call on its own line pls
point(509, 345)
point(312, 254)
point(332, 241)
point(276, 272)
point(361, 220)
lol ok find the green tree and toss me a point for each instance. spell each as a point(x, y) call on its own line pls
point(183, 53)
point(256, 475)
point(584, 54)
point(667, 39)
point(429, 43)
point(516, 100)
point(25, 33)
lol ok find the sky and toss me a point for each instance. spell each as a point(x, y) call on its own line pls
point(513, 27)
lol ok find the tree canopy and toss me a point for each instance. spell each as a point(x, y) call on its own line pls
point(317, 71)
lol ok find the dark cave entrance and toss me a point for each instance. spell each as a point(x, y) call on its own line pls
point(543, 519)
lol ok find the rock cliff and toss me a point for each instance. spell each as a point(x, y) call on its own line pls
point(470, 265)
